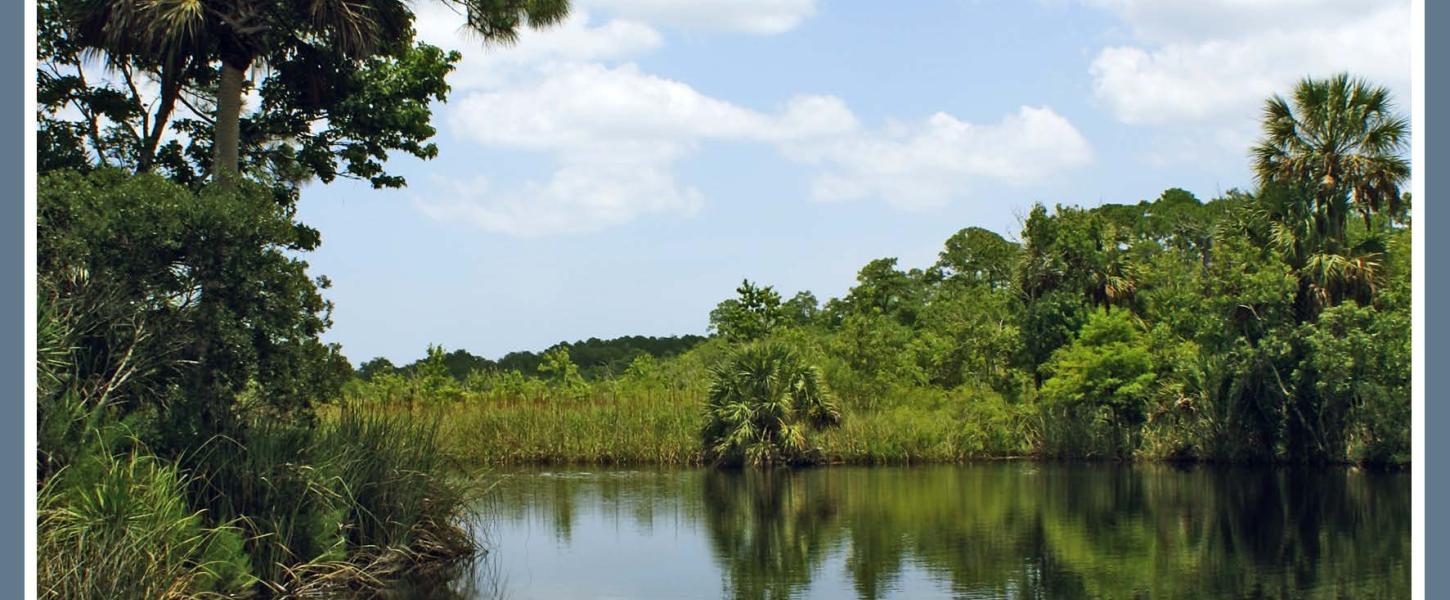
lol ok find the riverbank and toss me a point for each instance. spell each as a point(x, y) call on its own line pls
point(665, 430)
point(662, 427)
point(285, 510)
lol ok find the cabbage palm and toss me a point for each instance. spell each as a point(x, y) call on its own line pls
point(1334, 148)
point(760, 404)
point(1340, 139)
point(1329, 268)
point(240, 33)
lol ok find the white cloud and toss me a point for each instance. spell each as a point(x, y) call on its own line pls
point(579, 198)
point(616, 132)
point(1214, 59)
point(1166, 21)
point(574, 40)
point(930, 163)
point(763, 17)
point(630, 31)
point(583, 106)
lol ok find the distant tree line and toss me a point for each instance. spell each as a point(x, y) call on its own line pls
point(595, 358)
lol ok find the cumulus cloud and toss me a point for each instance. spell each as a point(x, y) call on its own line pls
point(584, 106)
point(629, 31)
point(927, 164)
point(616, 132)
point(1163, 21)
point(577, 39)
point(579, 198)
point(1199, 61)
point(763, 17)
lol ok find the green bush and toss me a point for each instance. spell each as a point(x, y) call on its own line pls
point(1097, 393)
point(761, 402)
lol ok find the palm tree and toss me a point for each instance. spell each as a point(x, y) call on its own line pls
point(760, 403)
point(1341, 140)
point(1335, 148)
point(239, 33)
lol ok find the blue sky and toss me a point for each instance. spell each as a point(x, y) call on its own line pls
point(621, 173)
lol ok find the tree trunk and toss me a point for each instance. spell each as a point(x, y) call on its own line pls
point(227, 138)
point(170, 91)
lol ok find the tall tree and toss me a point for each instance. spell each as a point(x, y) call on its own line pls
point(1341, 140)
point(977, 256)
point(1336, 147)
point(235, 35)
point(753, 314)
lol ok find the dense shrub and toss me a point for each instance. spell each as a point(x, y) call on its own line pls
point(762, 403)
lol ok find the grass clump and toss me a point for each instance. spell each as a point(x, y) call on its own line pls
point(350, 502)
point(120, 526)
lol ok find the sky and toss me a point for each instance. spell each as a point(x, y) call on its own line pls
point(621, 173)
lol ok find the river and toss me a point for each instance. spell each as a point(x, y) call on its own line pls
point(987, 530)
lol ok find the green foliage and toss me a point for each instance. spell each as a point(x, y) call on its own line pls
point(761, 403)
point(375, 367)
point(882, 289)
point(178, 318)
point(972, 334)
point(433, 376)
point(1049, 322)
point(268, 482)
point(1102, 380)
point(977, 257)
point(872, 356)
point(335, 498)
point(120, 526)
point(1340, 140)
point(1243, 328)
point(387, 468)
point(558, 369)
point(200, 293)
point(594, 357)
point(354, 72)
point(752, 315)
point(802, 309)
point(178, 332)
point(1358, 362)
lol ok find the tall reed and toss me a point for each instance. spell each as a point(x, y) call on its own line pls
point(121, 527)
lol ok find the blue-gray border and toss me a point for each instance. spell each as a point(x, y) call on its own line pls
point(12, 302)
point(1437, 327)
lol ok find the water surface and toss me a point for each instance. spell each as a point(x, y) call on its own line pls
point(998, 530)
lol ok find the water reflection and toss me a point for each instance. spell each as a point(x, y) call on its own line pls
point(769, 530)
point(1008, 530)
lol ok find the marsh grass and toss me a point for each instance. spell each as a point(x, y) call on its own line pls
point(353, 502)
point(120, 527)
point(603, 428)
point(348, 503)
point(643, 425)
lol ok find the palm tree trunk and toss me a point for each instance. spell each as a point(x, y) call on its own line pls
point(227, 138)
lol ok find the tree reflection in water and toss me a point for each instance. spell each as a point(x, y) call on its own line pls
point(770, 529)
point(1001, 530)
